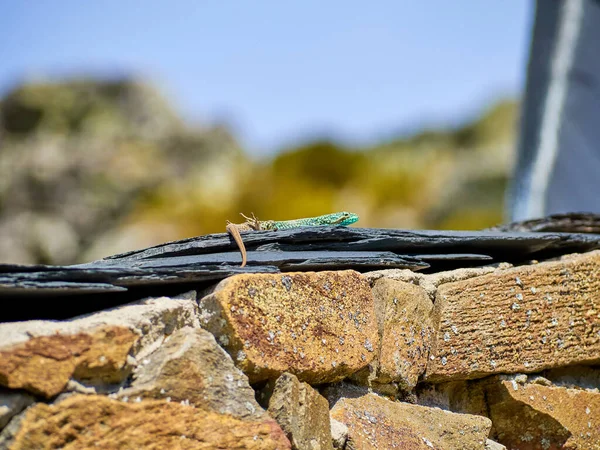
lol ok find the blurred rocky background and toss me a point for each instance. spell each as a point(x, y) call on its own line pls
point(90, 168)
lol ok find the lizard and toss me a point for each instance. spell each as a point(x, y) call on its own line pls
point(339, 219)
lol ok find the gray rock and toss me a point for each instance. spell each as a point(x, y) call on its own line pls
point(12, 403)
point(190, 367)
point(339, 434)
point(493, 445)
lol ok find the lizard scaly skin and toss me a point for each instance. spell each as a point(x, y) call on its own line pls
point(338, 219)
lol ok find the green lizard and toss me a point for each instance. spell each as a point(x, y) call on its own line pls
point(339, 219)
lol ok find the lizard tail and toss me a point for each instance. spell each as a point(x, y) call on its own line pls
point(235, 234)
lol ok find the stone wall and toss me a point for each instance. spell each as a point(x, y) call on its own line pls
point(468, 359)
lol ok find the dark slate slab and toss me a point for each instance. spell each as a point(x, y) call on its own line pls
point(9, 268)
point(198, 262)
point(190, 269)
point(509, 245)
point(271, 258)
point(567, 223)
point(15, 286)
point(460, 257)
point(119, 278)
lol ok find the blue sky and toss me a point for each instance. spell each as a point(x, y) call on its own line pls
point(283, 71)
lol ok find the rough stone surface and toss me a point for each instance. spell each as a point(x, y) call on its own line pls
point(533, 416)
point(191, 367)
point(375, 423)
point(12, 403)
point(523, 319)
point(320, 326)
point(405, 327)
point(42, 356)
point(91, 421)
point(302, 413)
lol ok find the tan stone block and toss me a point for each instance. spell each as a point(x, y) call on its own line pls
point(319, 326)
point(405, 327)
point(532, 416)
point(92, 421)
point(43, 356)
point(191, 367)
point(43, 365)
point(302, 413)
point(523, 319)
point(375, 423)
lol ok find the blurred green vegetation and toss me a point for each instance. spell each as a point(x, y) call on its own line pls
point(90, 168)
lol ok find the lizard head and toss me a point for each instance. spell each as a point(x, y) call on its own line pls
point(343, 218)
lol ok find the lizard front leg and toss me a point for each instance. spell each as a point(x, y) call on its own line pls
point(252, 222)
